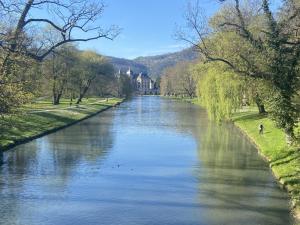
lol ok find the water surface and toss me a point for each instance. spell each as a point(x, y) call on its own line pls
point(150, 161)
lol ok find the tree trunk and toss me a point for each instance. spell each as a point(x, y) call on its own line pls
point(85, 89)
point(79, 99)
point(81, 95)
point(56, 99)
point(261, 109)
point(56, 94)
point(289, 135)
point(260, 105)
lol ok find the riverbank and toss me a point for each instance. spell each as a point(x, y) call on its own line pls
point(283, 160)
point(41, 118)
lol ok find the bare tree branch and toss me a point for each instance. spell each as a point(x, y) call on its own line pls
point(44, 21)
point(70, 18)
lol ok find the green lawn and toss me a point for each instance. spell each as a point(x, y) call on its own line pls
point(41, 116)
point(284, 160)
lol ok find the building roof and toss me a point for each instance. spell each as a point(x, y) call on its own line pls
point(144, 76)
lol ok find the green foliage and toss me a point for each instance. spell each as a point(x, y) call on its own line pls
point(90, 69)
point(18, 83)
point(252, 41)
point(59, 69)
point(178, 81)
point(124, 86)
point(220, 91)
point(12, 96)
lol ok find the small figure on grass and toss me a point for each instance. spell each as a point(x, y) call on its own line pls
point(261, 129)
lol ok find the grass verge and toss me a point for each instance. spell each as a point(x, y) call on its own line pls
point(41, 117)
point(283, 159)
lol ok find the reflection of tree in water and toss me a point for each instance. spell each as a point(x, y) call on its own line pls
point(87, 141)
point(231, 175)
point(219, 145)
point(16, 168)
point(49, 162)
point(18, 163)
point(183, 117)
point(83, 144)
point(223, 146)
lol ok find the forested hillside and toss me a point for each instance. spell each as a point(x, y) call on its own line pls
point(123, 64)
point(154, 65)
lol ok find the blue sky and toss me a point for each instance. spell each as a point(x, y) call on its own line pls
point(147, 27)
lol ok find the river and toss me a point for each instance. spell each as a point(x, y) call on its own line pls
point(150, 161)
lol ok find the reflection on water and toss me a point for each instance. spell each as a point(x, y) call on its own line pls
point(150, 161)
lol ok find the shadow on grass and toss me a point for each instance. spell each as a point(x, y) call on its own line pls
point(286, 155)
point(290, 178)
point(297, 156)
point(38, 122)
point(81, 110)
point(252, 116)
point(56, 117)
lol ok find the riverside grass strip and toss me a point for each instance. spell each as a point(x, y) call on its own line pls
point(284, 160)
point(41, 118)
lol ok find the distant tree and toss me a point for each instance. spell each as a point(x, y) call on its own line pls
point(24, 37)
point(59, 68)
point(124, 87)
point(178, 80)
point(186, 80)
point(90, 68)
point(157, 82)
point(167, 82)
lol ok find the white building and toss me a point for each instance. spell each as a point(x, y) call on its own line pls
point(142, 83)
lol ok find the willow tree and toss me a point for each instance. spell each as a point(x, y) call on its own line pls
point(219, 90)
point(272, 54)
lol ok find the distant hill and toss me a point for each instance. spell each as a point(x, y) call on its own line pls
point(124, 64)
point(154, 65)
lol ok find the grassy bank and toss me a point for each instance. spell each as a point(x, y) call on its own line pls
point(284, 160)
point(41, 117)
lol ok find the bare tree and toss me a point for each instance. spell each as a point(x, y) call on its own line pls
point(92, 67)
point(73, 20)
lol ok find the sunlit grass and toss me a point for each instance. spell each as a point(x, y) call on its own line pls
point(42, 116)
point(284, 159)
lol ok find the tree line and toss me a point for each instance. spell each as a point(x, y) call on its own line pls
point(75, 74)
point(39, 57)
point(248, 53)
